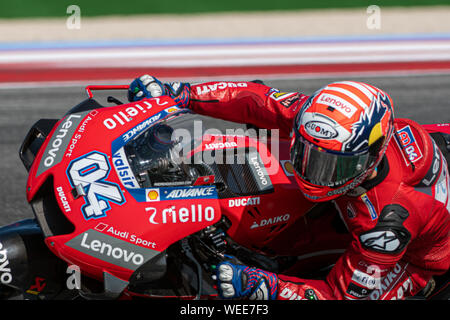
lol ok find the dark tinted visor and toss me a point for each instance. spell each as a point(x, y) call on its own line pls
point(321, 167)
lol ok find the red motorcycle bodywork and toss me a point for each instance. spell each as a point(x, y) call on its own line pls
point(138, 224)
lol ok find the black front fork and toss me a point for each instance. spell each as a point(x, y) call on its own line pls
point(28, 269)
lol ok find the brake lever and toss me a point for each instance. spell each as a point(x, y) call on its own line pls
point(111, 99)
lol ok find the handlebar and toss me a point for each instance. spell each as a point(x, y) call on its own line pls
point(91, 88)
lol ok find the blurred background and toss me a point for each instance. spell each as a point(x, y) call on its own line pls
point(50, 50)
point(59, 40)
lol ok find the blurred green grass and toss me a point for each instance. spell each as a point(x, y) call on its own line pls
point(57, 8)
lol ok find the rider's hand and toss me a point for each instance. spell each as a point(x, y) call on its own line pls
point(238, 281)
point(147, 86)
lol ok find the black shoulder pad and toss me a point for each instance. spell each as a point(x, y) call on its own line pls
point(389, 235)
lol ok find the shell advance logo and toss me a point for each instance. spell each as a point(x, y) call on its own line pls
point(152, 195)
point(157, 194)
point(173, 193)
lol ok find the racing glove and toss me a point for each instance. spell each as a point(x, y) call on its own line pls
point(147, 86)
point(238, 281)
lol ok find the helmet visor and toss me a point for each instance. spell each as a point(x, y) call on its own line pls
point(324, 168)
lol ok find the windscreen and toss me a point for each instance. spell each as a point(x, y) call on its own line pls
point(163, 154)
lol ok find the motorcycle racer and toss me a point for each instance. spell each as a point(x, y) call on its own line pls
point(387, 178)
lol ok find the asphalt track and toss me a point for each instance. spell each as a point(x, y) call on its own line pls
point(424, 98)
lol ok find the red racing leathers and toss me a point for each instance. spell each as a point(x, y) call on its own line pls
point(399, 221)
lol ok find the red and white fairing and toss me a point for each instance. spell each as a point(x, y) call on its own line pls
point(114, 226)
